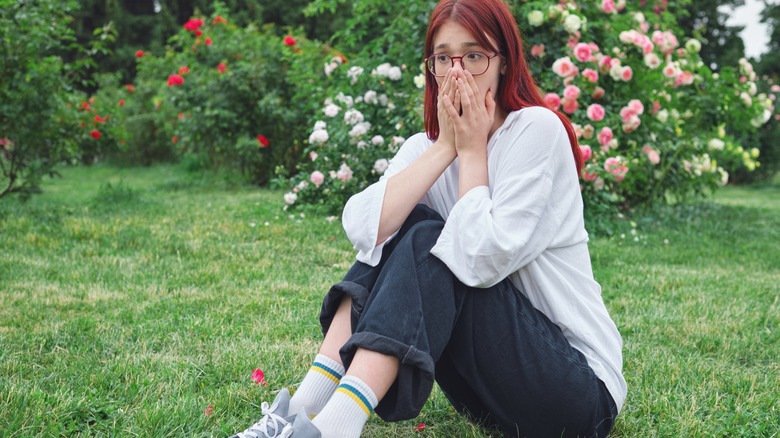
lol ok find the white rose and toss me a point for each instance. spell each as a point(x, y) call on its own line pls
point(394, 74)
point(318, 136)
point(572, 23)
point(290, 198)
point(377, 140)
point(716, 144)
point(535, 18)
point(419, 81)
point(380, 166)
point(331, 110)
point(353, 116)
point(370, 97)
point(320, 125)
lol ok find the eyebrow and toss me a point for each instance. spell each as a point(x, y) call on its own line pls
point(464, 45)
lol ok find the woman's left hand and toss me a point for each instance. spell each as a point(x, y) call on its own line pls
point(472, 127)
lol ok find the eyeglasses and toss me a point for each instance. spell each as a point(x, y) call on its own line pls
point(476, 63)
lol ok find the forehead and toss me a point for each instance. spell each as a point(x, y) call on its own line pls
point(452, 35)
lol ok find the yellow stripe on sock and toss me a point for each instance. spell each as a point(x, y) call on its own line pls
point(325, 373)
point(357, 399)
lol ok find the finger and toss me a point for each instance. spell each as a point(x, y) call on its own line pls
point(490, 104)
point(451, 111)
point(444, 86)
point(467, 100)
point(472, 83)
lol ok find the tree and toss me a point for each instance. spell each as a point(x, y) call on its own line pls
point(705, 20)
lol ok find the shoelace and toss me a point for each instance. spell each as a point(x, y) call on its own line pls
point(261, 427)
point(287, 431)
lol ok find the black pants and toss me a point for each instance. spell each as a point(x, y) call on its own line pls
point(498, 360)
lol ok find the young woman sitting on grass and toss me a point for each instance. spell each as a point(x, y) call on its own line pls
point(473, 266)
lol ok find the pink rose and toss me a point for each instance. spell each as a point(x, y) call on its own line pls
point(344, 173)
point(571, 92)
point(598, 93)
point(631, 124)
point(553, 101)
point(569, 106)
point(317, 178)
point(605, 136)
point(537, 50)
point(636, 106)
point(626, 74)
point(608, 6)
point(582, 52)
point(615, 166)
point(596, 112)
point(591, 75)
point(652, 155)
point(586, 152)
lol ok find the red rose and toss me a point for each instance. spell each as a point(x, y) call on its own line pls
point(263, 141)
point(175, 80)
point(221, 67)
point(100, 119)
point(175, 138)
point(184, 70)
point(208, 41)
point(193, 25)
point(218, 20)
point(139, 54)
point(84, 105)
point(95, 134)
point(289, 41)
point(121, 102)
point(130, 88)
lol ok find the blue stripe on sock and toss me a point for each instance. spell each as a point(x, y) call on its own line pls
point(358, 394)
point(330, 370)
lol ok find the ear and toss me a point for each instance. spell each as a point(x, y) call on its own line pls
point(503, 68)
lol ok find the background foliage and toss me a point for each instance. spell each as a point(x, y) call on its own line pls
point(265, 75)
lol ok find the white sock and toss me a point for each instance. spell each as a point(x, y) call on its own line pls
point(347, 410)
point(317, 386)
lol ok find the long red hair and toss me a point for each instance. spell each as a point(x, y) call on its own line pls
point(516, 88)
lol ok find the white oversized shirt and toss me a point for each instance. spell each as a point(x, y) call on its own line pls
point(527, 224)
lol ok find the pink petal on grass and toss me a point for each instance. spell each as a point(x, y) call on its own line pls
point(209, 411)
point(258, 376)
point(420, 427)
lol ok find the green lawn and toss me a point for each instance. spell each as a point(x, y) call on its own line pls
point(133, 299)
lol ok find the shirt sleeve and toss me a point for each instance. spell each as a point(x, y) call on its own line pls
point(362, 211)
point(494, 231)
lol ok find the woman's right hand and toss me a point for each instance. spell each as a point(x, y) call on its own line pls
point(448, 89)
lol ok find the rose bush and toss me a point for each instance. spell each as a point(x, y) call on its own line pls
point(219, 97)
point(655, 123)
point(369, 113)
point(38, 130)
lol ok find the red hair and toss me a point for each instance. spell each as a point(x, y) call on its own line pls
point(516, 88)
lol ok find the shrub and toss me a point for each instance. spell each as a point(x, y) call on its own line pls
point(220, 94)
point(655, 122)
point(35, 135)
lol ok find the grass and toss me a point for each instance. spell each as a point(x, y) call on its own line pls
point(133, 299)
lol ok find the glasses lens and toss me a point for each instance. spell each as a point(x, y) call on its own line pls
point(439, 64)
point(476, 62)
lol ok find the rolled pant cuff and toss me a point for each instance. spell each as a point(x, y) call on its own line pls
point(408, 394)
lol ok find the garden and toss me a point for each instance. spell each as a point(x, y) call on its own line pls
point(168, 230)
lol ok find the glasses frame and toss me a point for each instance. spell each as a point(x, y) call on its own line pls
point(460, 59)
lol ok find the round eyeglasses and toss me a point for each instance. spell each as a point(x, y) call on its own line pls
point(476, 63)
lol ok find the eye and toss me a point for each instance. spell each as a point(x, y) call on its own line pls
point(474, 56)
point(442, 58)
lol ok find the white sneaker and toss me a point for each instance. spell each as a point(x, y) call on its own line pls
point(275, 418)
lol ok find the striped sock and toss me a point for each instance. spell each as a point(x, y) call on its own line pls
point(347, 411)
point(318, 385)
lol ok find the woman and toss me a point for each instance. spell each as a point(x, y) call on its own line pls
point(473, 266)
